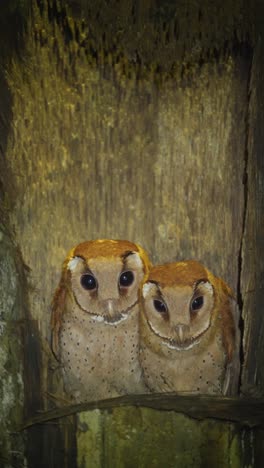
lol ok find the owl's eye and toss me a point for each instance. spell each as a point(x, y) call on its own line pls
point(197, 303)
point(126, 279)
point(160, 306)
point(88, 281)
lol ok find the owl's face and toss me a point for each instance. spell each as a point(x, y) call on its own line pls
point(178, 300)
point(105, 276)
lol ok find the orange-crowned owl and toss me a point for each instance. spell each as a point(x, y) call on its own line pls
point(189, 335)
point(95, 319)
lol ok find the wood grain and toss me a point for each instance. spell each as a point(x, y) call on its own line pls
point(138, 120)
point(252, 253)
point(245, 411)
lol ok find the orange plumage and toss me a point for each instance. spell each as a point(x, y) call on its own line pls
point(95, 319)
point(189, 336)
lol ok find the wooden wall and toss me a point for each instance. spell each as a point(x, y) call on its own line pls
point(135, 121)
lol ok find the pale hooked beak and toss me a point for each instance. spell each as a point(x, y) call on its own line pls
point(110, 307)
point(182, 330)
point(111, 312)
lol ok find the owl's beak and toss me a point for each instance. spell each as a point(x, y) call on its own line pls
point(182, 331)
point(111, 312)
point(110, 307)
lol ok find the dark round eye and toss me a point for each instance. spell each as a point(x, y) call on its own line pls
point(88, 282)
point(160, 306)
point(197, 303)
point(126, 279)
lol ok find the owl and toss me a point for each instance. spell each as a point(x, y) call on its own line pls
point(189, 335)
point(95, 319)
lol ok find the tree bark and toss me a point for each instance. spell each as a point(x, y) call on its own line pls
point(138, 120)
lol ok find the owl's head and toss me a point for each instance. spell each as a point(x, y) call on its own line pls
point(102, 277)
point(181, 301)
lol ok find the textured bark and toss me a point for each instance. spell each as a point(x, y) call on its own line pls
point(12, 443)
point(252, 253)
point(138, 120)
point(246, 411)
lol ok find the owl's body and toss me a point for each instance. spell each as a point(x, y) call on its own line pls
point(100, 359)
point(95, 319)
point(189, 332)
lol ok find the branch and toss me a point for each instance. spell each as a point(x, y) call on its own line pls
point(245, 411)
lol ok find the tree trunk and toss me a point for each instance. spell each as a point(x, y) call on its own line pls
point(134, 120)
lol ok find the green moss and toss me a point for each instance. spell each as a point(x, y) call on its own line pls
point(90, 439)
point(11, 366)
point(129, 437)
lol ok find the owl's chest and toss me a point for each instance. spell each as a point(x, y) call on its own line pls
point(100, 360)
point(100, 342)
point(199, 369)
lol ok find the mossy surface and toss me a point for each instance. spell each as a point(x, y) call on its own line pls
point(135, 437)
point(11, 364)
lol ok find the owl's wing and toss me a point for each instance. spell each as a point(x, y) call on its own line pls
point(231, 381)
